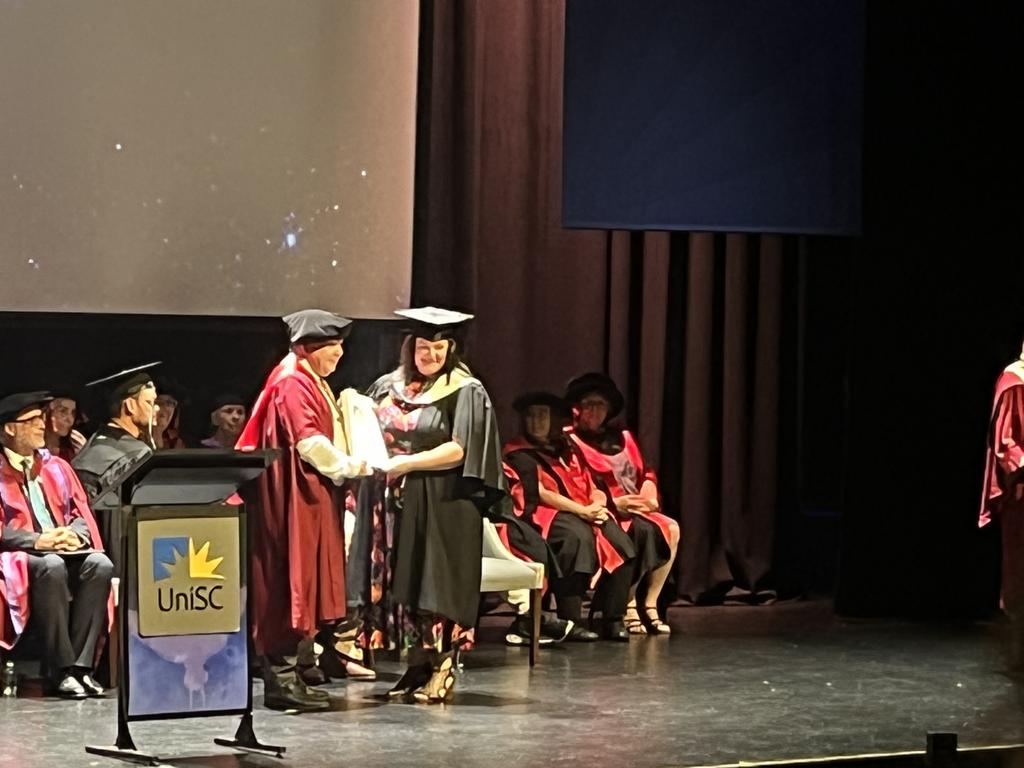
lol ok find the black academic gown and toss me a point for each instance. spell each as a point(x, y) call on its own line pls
point(102, 465)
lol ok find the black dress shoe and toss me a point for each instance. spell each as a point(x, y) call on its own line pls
point(92, 688)
point(295, 695)
point(615, 629)
point(70, 688)
point(580, 634)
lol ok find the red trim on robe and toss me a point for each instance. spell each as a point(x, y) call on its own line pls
point(601, 466)
point(1005, 454)
point(67, 501)
point(608, 557)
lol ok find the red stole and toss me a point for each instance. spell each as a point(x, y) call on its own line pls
point(601, 467)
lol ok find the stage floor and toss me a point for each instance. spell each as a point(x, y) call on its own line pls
point(733, 684)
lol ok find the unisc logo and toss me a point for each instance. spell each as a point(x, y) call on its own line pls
point(186, 577)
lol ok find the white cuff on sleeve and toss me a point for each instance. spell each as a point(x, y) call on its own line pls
point(319, 452)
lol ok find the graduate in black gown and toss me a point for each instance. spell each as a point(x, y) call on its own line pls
point(445, 475)
point(118, 447)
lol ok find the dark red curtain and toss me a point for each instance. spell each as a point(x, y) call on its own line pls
point(692, 326)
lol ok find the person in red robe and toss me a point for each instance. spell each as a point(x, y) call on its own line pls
point(52, 567)
point(554, 491)
point(614, 458)
point(297, 537)
point(1003, 496)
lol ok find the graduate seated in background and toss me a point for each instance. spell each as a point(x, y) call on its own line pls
point(615, 461)
point(560, 500)
point(167, 421)
point(62, 439)
point(54, 572)
point(227, 417)
point(117, 447)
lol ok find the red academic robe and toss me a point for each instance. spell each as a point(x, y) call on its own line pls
point(601, 466)
point(67, 501)
point(575, 483)
point(1003, 494)
point(297, 537)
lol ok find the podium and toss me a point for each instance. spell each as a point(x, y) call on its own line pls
point(183, 622)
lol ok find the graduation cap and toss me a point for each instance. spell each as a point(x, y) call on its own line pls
point(433, 323)
point(595, 383)
point(316, 324)
point(539, 397)
point(12, 405)
point(123, 384)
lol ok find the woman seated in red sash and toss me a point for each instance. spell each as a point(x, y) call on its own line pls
point(615, 460)
point(559, 498)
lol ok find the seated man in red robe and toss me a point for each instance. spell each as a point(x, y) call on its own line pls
point(1003, 496)
point(52, 568)
point(297, 552)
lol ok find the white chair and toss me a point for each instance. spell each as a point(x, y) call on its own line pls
point(503, 572)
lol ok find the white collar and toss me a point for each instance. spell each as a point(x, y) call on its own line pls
point(19, 462)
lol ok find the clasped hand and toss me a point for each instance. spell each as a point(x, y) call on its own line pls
point(634, 503)
point(594, 513)
point(61, 539)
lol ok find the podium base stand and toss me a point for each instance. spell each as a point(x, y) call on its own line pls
point(245, 739)
point(124, 749)
point(128, 755)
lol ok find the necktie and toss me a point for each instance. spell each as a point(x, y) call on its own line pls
point(36, 500)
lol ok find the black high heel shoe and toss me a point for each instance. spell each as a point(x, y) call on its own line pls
point(418, 673)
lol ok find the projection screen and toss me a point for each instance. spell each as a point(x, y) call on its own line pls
point(206, 156)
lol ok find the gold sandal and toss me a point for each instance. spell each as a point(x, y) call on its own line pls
point(441, 685)
point(632, 621)
point(658, 627)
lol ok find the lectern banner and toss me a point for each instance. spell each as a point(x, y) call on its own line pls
point(188, 576)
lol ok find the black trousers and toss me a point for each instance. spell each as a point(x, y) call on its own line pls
point(68, 598)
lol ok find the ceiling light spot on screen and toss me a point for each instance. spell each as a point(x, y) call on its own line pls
point(14, 176)
point(213, 187)
point(263, 129)
point(159, 201)
point(267, 241)
point(336, 206)
point(290, 239)
point(21, 186)
point(166, 241)
point(118, 146)
point(238, 257)
point(334, 262)
point(312, 170)
point(145, 204)
point(363, 173)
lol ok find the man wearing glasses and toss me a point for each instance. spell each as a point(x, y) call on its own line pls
point(52, 567)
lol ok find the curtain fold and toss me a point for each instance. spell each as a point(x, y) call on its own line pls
point(689, 325)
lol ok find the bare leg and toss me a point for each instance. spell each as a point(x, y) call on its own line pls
point(657, 581)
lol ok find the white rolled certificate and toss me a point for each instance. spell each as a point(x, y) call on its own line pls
point(362, 429)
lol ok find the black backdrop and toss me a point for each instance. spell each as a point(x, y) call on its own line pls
point(904, 330)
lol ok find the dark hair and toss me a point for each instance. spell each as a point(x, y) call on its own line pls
point(558, 420)
point(407, 365)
